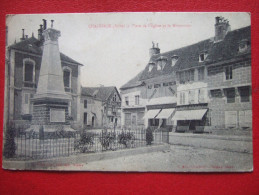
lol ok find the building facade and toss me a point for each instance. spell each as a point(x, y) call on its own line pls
point(206, 85)
point(100, 107)
point(23, 70)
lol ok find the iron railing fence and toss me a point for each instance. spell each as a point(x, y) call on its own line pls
point(29, 146)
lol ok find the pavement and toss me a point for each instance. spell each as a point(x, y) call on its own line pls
point(186, 154)
point(241, 144)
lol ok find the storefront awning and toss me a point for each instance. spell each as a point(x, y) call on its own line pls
point(165, 113)
point(152, 113)
point(189, 114)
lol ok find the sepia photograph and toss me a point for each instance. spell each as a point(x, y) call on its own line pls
point(128, 92)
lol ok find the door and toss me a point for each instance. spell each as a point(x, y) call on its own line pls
point(134, 120)
point(92, 121)
point(85, 118)
point(26, 103)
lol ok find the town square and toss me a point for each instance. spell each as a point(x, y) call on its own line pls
point(167, 92)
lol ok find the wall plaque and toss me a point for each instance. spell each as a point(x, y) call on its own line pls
point(57, 115)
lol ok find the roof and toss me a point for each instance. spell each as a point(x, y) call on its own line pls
point(33, 45)
point(188, 57)
point(162, 100)
point(133, 82)
point(102, 93)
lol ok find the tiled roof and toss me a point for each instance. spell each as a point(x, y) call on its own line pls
point(228, 48)
point(133, 82)
point(102, 93)
point(32, 45)
point(188, 57)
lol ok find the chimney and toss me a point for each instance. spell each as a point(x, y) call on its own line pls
point(222, 27)
point(40, 30)
point(52, 21)
point(44, 24)
point(154, 50)
point(23, 38)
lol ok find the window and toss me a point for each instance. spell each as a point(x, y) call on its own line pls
point(150, 67)
point(182, 98)
point(201, 96)
point(165, 84)
point(28, 75)
point(114, 98)
point(137, 100)
point(202, 57)
point(201, 74)
point(66, 78)
point(216, 93)
point(230, 93)
point(85, 103)
point(171, 83)
point(28, 72)
point(244, 94)
point(181, 77)
point(186, 76)
point(161, 62)
point(228, 73)
point(191, 97)
point(127, 101)
point(85, 118)
point(191, 73)
point(157, 85)
point(174, 60)
point(243, 45)
point(149, 86)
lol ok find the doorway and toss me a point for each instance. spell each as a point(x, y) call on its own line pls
point(93, 121)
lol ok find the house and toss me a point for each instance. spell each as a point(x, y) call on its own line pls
point(149, 99)
point(100, 106)
point(203, 85)
point(23, 70)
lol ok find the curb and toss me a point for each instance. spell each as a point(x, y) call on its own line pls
point(77, 159)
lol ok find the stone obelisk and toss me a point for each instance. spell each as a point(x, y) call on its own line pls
point(50, 103)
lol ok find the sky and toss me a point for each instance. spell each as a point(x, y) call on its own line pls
point(114, 47)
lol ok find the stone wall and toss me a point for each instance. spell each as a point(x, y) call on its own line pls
point(218, 105)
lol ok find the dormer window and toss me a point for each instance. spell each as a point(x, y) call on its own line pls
point(151, 66)
point(159, 67)
point(174, 60)
point(243, 45)
point(161, 62)
point(202, 57)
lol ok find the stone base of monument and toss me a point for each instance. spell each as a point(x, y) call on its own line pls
point(51, 116)
point(50, 128)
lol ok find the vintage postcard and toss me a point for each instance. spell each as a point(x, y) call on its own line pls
point(159, 92)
